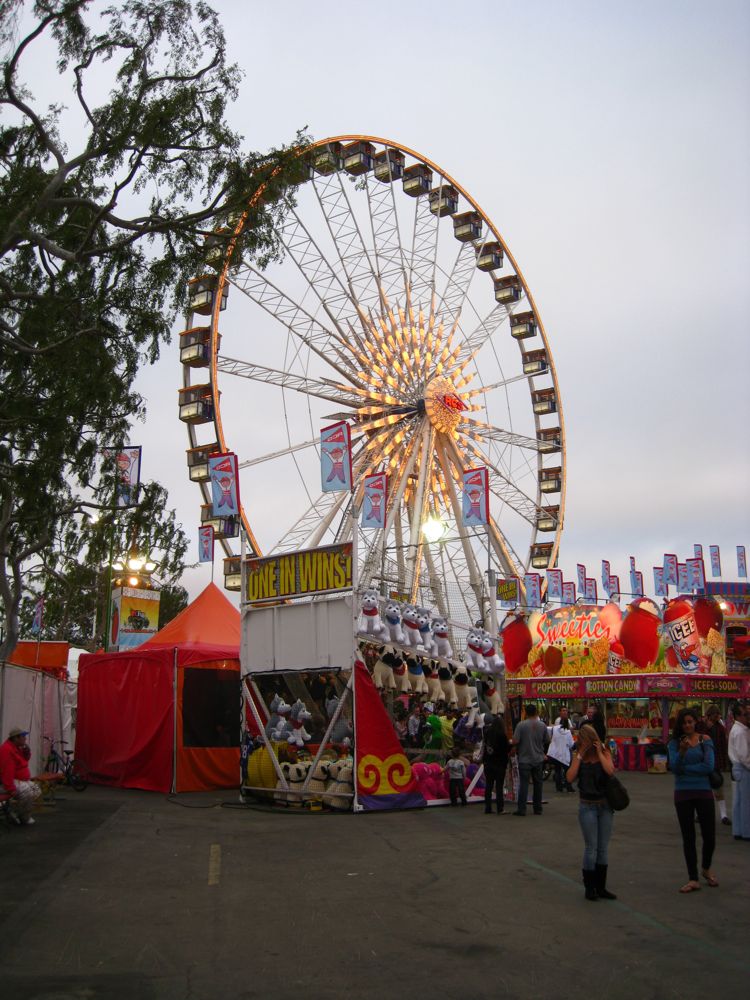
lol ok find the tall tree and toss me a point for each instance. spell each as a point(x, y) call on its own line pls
point(98, 235)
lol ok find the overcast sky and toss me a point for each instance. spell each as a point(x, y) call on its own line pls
point(610, 144)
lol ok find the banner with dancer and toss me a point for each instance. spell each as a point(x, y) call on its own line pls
point(554, 585)
point(581, 574)
point(741, 562)
point(375, 500)
point(670, 569)
point(476, 499)
point(696, 576)
point(336, 458)
point(606, 575)
point(589, 589)
point(569, 593)
point(225, 484)
point(661, 587)
point(532, 583)
point(206, 543)
point(715, 560)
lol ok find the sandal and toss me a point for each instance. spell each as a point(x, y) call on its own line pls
point(690, 887)
point(710, 879)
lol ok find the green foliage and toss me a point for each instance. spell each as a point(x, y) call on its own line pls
point(97, 242)
point(174, 599)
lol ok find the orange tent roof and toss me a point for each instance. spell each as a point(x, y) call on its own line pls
point(211, 620)
point(42, 655)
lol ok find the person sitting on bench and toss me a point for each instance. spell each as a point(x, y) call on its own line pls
point(15, 776)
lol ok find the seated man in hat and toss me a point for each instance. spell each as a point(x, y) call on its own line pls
point(15, 776)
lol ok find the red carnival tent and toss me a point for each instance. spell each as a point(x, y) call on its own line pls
point(166, 716)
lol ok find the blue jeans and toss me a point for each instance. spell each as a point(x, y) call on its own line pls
point(534, 772)
point(595, 819)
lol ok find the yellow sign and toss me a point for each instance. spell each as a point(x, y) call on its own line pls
point(507, 591)
point(296, 574)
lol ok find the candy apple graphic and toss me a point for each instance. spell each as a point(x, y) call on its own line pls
point(708, 615)
point(639, 632)
point(516, 643)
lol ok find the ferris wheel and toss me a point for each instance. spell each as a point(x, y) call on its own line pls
point(398, 307)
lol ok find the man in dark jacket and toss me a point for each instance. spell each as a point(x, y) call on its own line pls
point(495, 761)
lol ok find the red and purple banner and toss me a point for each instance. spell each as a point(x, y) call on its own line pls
point(554, 585)
point(696, 577)
point(127, 473)
point(225, 484)
point(670, 569)
point(206, 543)
point(532, 584)
point(383, 772)
point(741, 562)
point(581, 574)
point(375, 500)
point(569, 593)
point(661, 588)
point(589, 589)
point(336, 458)
point(476, 499)
point(715, 560)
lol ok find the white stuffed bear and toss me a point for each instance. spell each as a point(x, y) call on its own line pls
point(448, 689)
point(463, 691)
point(382, 673)
point(400, 673)
point(474, 646)
point(392, 622)
point(493, 699)
point(318, 781)
point(296, 779)
point(411, 626)
point(434, 690)
point(280, 795)
point(442, 646)
point(343, 786)
point(495, 663)
point(416, 675)
point(299, 715)
point(370, 620)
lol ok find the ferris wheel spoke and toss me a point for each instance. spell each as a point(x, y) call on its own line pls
point(480, 431)
point(458, 282)
point(421, 275)
point(309, 530)
point(287, 380)
point(451, 475)
point(354, 257)
point(508, 558)
point(248, 463)
point(386, 236)
point(486, 328)
point(294, 317)
point(323, 279)
point(502, 486)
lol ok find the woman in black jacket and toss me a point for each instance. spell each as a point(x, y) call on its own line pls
point(495, 761)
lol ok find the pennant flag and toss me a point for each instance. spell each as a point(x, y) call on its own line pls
point(532, 583)
point(569, 593)
point(670, 569)
point(383, 772)
point(698, 551)
point(206, 543)
point(375, 500)
point(661, 587)
point(127, 473)
point(633, 577)
point(507, 593)
point(589, 590)
point(225, 484)
point(715, 560)
point(696, 577)
point(606, 575)
point(614, 589)
point(36, 625)
point(682, 578)
point(336, 458)
point(581, 573)
point(638, 584)
point(476, 499)
point(554, 584)
point(741, 562)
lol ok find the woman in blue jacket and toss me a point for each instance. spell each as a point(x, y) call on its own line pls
point(691, 760)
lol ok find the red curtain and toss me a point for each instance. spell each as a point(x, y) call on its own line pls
point(125, 722)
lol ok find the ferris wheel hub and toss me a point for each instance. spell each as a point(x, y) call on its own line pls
point(443, 404)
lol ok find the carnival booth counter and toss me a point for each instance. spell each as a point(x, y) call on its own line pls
point(166, 716)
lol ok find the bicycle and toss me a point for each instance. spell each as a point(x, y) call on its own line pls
point(75, 772)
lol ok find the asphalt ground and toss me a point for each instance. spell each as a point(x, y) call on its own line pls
point(127, 894)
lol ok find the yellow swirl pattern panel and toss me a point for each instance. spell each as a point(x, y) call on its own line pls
point(376, 776)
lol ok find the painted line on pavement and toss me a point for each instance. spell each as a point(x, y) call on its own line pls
point(214, 864)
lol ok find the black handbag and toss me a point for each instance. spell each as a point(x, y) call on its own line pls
point(616, 794)
point(715, 778)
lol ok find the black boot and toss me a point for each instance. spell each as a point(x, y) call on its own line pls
point(589, 881)
point(601, 883)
